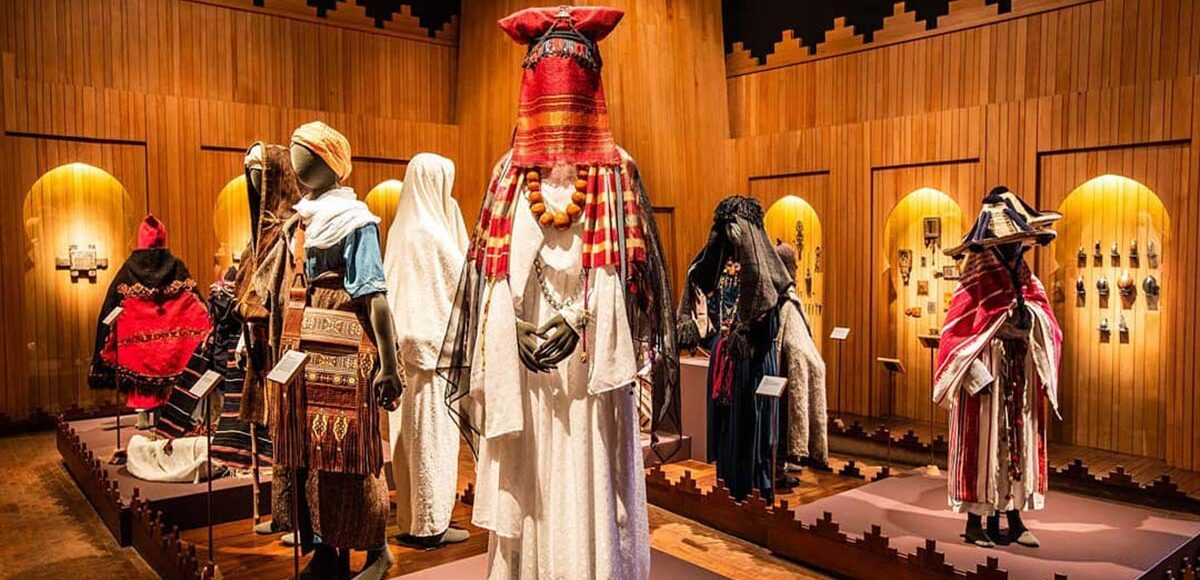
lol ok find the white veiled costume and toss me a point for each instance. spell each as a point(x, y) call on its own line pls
point(560, 477)
point(426, 247)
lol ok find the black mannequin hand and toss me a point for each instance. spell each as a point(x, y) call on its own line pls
point(388, 388)
point(527, 346)
point(560, 341)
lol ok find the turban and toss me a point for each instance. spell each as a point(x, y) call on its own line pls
point(325, 142)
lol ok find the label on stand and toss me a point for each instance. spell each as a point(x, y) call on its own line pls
point(288, 366)
point(205, 385)
point(840, 333)
point(771, 386)
point(112, 316)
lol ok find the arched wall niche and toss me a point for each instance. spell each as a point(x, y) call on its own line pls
point(80, 205)
point(382, 200)
point(918, 280)
point(1111, 383)
point(231, 224)
point(793, 220)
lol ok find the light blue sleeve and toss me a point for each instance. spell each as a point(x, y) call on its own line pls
point(364, 262)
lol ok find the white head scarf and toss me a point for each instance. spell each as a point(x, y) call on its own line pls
point(426, 247)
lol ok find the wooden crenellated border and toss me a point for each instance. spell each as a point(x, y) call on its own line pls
point(89, 474)
point(164, 551)
point(821, 544)
point(1162, 492)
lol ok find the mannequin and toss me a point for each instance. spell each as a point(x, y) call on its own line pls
point(565, 274)
point(997, 368)
point(344, 510)
point(427, 245)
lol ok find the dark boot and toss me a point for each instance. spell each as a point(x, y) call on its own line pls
point(323, 565)
point(975, 534)
point(1018, 533)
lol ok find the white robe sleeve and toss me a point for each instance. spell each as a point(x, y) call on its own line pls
point(610, 348)
point(496, 374)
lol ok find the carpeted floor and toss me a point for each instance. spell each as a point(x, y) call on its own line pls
point(47, 528)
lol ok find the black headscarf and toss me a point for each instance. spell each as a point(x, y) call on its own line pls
point(737, 232)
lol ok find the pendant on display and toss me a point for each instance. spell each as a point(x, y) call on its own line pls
point(1126, 285)
point(1104, 329)
point(799, 239)
point(1080, 288)
point(1097, 253)
point(906, 265)
point(1150, 286)
point(1102, 286)
point(1115, 252)
point(1152, 253)
point(1082, 256)
point(817, 260)
point(1122, 326)
point(807, 281)
point(1133, 252)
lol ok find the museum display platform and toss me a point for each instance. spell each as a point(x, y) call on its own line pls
point(898, 526)
point(86, 447)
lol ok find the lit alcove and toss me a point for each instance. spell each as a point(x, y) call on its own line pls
point(382, 200)
point(231, 223)
point(793, 220)
point(80, 225)
point(920, 282)
point(1114, 234)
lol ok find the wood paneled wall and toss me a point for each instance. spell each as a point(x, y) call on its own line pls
point(164, 96)
point(1039, 102)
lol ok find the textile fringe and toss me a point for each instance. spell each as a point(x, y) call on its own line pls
point(580, 50)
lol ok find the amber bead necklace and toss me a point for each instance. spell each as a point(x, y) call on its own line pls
point(543, 213)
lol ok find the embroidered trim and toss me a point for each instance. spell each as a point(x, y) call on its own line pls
point(564, 44)
point(140, 290)
point(157, 335)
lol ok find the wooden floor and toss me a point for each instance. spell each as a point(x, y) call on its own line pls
point(813, 485)
point(1098, 461)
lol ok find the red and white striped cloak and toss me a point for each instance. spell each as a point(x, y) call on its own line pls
point(969, 357)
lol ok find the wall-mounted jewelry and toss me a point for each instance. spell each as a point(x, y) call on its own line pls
point(1080, 292)
point(1134, 257)
point(932, 228)
point(808, 281)
point(1104, 329)
point(951, 272)
point(913, 312)
point(1097, 254)
point(817, 261)
point(1082, 257)
point(1127, 287)
point(924, 261)
point(931, 307)
point(1152, 290)
point(81, 262)
point(1123, 327)
point(1102, 287)
point(799, 239)
point(1115, 252)
point(1152, 253)
point(922, 287)
point(905, 264)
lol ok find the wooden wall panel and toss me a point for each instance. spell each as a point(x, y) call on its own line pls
point(1038, 102)
point(165, 95)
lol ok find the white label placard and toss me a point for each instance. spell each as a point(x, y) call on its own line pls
point(287, 367)
point(112, 316)
point(771, 386)
point(839, 333)
point(207, 381)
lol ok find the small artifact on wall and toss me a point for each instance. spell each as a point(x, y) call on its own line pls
point(799, 238)
point(817, 266)
point(1097, 254)
point(1134, 258)
point(1152, 290)
point(1082, 257)
point(1115, 252)
point(1127, 288)
point(1152, 253)
point(808, 281)
point(1123, 328)
point(931, 307)
point(1102, 287)
point(81, 262)
point(951, 272)
point(1080, 292)
point(905, 265)
point(913, 312)
point(1104, 329)
point(922, 287)
point(933, 232)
